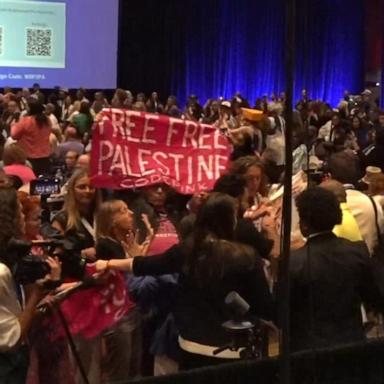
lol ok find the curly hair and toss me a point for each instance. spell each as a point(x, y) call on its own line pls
point(241, 165)
point(319, 209)
point(231, 183)
point(36, 109)
point(28, 203)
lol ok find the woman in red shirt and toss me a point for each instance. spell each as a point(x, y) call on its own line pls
point(32, 133)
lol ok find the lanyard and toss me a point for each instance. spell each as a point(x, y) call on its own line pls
point(89, 227)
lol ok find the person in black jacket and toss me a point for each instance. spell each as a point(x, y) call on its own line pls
point(234, 185)
point(374, 154)
point(330, 278)
point(210, 265)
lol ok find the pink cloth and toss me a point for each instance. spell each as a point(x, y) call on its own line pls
point(165, 237)
point(25, 173)
point(32, 138)
point(91, 311)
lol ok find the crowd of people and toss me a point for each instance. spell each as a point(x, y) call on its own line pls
point(157, 265)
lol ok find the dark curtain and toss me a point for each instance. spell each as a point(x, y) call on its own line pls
point(215, 48)
point(151, 45)
point(382, 82)
point(233, 46)
point(382, 56)
point(330, 48)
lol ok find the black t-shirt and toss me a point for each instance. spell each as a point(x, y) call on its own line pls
point(107, 248)
point(80, 237)
point(200, 311)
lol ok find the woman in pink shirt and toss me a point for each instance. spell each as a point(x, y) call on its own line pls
point(32, 133)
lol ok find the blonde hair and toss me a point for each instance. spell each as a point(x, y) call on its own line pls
point(104, 218)
point(70, 205)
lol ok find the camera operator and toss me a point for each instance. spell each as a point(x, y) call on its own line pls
point(15, 316)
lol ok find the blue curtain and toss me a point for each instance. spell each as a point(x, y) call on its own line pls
point(233, 46)
point(237, 46)
point(330, 48)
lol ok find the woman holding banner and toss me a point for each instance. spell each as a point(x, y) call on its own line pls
point(122, 340)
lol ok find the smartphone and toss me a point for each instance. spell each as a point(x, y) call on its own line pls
point(45, 186)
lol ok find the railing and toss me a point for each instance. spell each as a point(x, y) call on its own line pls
point(358, 363)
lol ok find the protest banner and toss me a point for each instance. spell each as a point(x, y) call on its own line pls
point(132, 149)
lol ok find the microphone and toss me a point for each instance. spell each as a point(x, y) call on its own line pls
point(239, 309)
point(236, 304)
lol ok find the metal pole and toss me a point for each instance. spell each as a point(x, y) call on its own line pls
point(284, 285)
point(382, 55)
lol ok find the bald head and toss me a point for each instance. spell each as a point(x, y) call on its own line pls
point(336, 188)
point(71, 132)
point(83, 162)
point(49, 108)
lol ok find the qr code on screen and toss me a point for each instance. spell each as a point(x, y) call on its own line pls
point(39, 42)
point(1, 40)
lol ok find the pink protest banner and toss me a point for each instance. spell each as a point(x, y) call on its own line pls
point(91, 311)
point(133, 149)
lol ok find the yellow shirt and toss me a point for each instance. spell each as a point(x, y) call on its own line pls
point(348, 229)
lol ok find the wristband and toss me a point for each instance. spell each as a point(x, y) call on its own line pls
point(107, 265)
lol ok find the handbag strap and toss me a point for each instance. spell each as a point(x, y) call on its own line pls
point(376, 219)
point(90, 229)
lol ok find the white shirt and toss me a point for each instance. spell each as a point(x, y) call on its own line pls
point(54, 122)
point(325, 131)
point(10, 310)
point(276, 141)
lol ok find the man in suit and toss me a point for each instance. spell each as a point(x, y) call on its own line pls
point(330, 277)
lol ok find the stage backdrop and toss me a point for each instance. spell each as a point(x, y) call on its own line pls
point(215, 48)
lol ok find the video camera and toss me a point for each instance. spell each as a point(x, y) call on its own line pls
point(26, 268)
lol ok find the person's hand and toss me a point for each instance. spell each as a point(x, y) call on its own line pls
point(268, 223)
point(101, 265)
point(55, 265)
point(54, 273)
point(98, 117)
point(89, 253)
point(48, 301)
point(40, 287)
point(132, 247)
point(255, 213)
point(65, 286)
point(148, 226)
